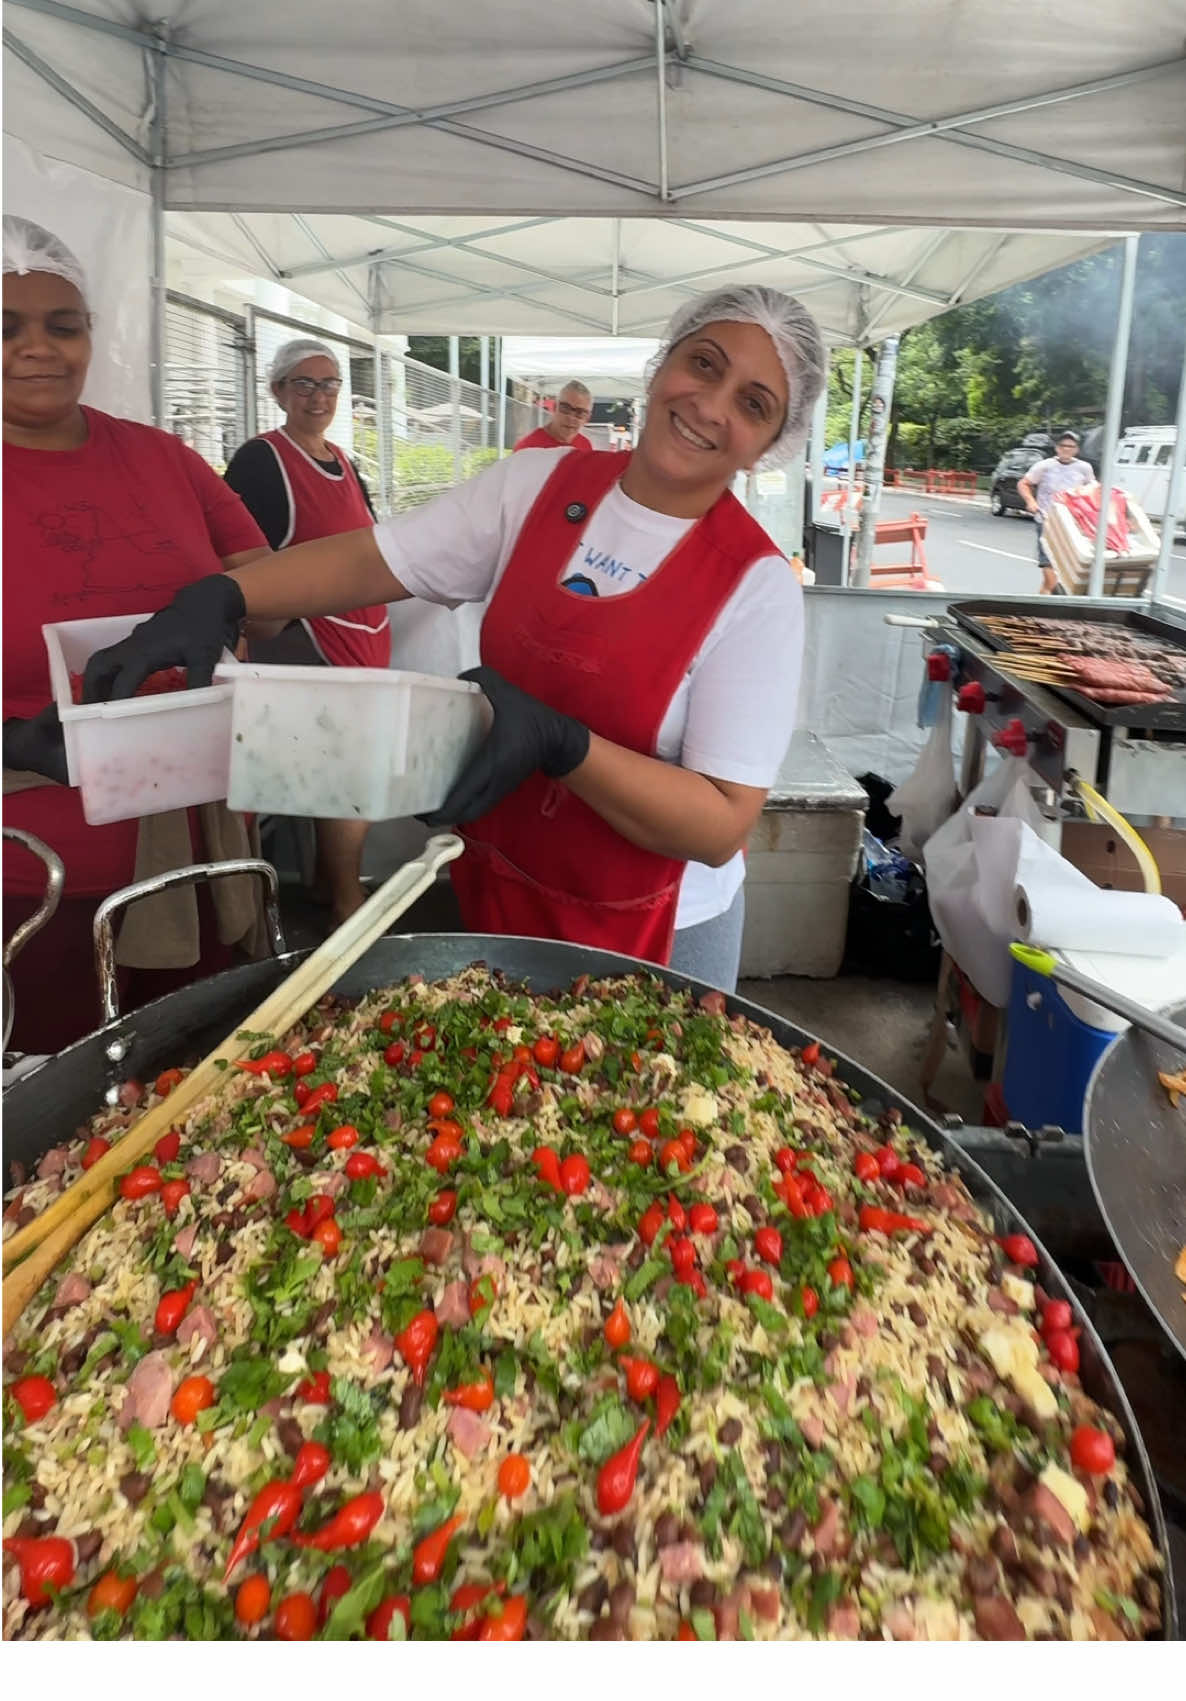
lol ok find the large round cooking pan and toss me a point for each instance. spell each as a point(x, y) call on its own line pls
point(47, 1105)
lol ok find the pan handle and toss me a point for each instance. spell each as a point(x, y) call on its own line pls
point(55, 880)
point(110, 907)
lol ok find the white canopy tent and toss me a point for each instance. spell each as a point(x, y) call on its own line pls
point(612, 367)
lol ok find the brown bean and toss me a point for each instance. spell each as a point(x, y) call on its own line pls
point(1148, 1592)
point(753, 1205)
point(1111, 1495)
point(87, 1545)
point(1039, 1577)
point(16, 1361)
point(793, 1529)
point(704, 1593)
point(983, 1575)
point(409, 1406)
point(36, 1496)
point(593, 1597)
point(708, 1476)
point(621, 1602)
point(771, 1455)
point(1004, 1544)
point(31, 1527)
point(937, 1463)
point(916, 1314)
point(637, 1256)
point(666, 1529)
point(730, 1432)
point(1082, 1548)
point(152, 1584)
point(606, 1630)
point(738, 1158)
point(292, 1436)
point(623, 1541)
point(134, 1485)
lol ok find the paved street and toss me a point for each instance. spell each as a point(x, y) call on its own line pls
point(971, 552)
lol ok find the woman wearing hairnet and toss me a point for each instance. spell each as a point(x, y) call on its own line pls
point(641, 646)
point(102, 516)
point(299, 486)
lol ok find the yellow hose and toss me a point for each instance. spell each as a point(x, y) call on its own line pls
point(1098, 808)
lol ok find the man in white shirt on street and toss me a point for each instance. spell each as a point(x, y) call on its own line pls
point(1042, 483)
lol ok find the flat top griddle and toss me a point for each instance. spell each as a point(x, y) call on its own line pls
point(1168, 716)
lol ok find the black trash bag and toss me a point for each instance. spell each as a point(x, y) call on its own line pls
point(890, 931)
point(878, 819)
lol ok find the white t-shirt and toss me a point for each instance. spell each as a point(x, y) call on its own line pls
point(733, 713)
point(1047, 478)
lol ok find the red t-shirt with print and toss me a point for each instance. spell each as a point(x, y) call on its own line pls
point(115, 527)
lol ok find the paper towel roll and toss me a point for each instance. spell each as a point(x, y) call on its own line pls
point(1060, 916)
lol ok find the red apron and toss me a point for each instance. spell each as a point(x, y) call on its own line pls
point(323, 506)
point(542, 862)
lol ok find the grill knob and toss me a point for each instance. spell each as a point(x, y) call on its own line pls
point(971, 698)
point(1012, 739)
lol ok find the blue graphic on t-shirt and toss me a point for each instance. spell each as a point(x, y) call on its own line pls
point(582, 586)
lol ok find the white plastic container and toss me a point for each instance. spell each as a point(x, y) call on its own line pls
point(143, 756)
point(372, 744)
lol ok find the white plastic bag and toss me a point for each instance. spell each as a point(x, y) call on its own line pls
point(927, 798)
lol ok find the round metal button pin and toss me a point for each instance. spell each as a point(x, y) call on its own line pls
point(575, 511)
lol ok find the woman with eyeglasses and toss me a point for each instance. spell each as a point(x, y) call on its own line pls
point(641, 643)
point(299, 486)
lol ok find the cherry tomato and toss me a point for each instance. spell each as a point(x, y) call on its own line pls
point(394, 1054)
point(96, 1147)
point(507, 1625)
point(768, 1245)
point(35, 1395)
point(1063, 1349)
point(304, 1063)
point(651, 1222)
point(574, 1174)
point(686, 1632)
point(682, 1253)
point(888, 1161)
point(193, 1395)
point(296, 1618)
point(325, 1094)
point(686, 1141)
point(167, 1147)
point(648, 1122)
point(840, 1273)
point(785, 1159)
point(547, 1166)
point(440, 1104)
point(298, 1222)
point(810, 1053)
point(640, 1153)
point(379, 1622)
point(253, 1597)
point(676, 1215)
point(172, 1307)
point(481, 1294)
point(702, 1219)
point(140, 1182)
point(328, 1236)
point(866, 1167)
point(337, 1583)
point(545, 1051)
point(388, 1020)
point(909, 1175)
point(758, 1281)
point(572, 1059)
point(1020, 1249)
point(363, 1166)
point(673, 1153)
point(343, 1138)
point(736, 1269)
point(315, 1392)
point(443, 1152)
point(617, 1327)
point(625, 1122)
point(165, 1082)
point(514, 1476)
point(172, 1193)
point(112, 1593)
point(318, 1208)
point(642, 1378)
point(810, 1300)
point(1092, 1451)
point(1056, 1314)
point(300, 1139)
point(442, 1208)
point(424, 1038)
point(302, 1093)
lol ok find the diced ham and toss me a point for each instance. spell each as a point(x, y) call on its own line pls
point(832, 1361)
point(599, 1195)
point(1106, 1627)
point(379, 1349)
point(1049, 1510)
point(864, 1321)
point(713, 1002)
point(827, 1531)
point(261, 1186)
point(899, 1621)
point(72, 1290)
point(199, 1321)
point(148, 1392)
point(204, 1168)
point(997, 1620)
point(681, 1562)
point(183, 1240)
point(728, 1615)
point(813, 1431)
point(998, 1301)
point(453, 1305)
point(253, 1156)
point(13, 1209)
point(331, 1185)
point(436, 1245)
point(131, 1093)
point(53, 1163)
point(467, 1431)
point(841, 1393)
point(844, 1621)
point(604, 1270)
point(477, 1264)
point(765, 1603)
point(946, 1196)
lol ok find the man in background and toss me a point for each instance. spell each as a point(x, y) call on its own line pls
point(574, 405)
point(1042, 483)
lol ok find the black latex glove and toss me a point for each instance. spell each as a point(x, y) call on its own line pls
point(37, 745)
point(526, 735)
point(191, 632)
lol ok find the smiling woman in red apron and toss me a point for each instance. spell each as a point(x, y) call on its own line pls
point(641, 646)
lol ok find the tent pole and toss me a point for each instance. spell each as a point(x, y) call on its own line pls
point(854, 428)
point(819, 430)
point(1116, 377)
point(158, 147)
point(1175, 493)
point(455, 398)
point(880, 404)
point(484, 375)
point(661, 68)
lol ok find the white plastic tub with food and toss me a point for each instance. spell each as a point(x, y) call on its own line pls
point(375, 744)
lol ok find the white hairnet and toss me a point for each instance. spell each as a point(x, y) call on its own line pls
point(293, 352)
point(28, 247)
point(792, 330)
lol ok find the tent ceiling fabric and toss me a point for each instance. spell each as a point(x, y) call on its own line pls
point(1028, 133)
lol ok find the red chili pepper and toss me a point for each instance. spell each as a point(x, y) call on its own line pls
point(768, 1245)
point(693, 1279)
point(429, 1555)
point(301, 1093)
point(172, 1193)
point(350, 1525)
point(507, 1625)
point(1056, 1314)
point(667, 1401)
point(302, 1138)
point(702, 1219)
point(547, 1166)
point(337, 1583)
point(275, 1063)
point(1020, 1249)
point(758, 1281)
point(785, 1159)
point(361, 1166)
point(1063, 1349)
point(96, 1148)
point(140, 1182)
point(574, 1175)
point(443, 1207)
point(473, 1396)
point(319, 1207)
point(874, 1220)
point(298, 1222)
point(909, 1175)
point(682, 1253)
point(840, 1274)
point(325, 1094)
point(651, 1222)
point(311, 1463)
point(866, 1168)
point(166, 1081)
point(390, 1019)
point(810, 1053)
point(617, 1327)
point(172, 1308)
point(443, 1152)
point(46, 1562)
point(642, 1377)
point(343, 1138)
point(415, 1343)
point(167, 1147)
point(277, 1506)
point(481, 1294)
point(676, 1215)
point(315, 1392)
point(394, 1054)
point(35, 1395)
point(379, 1622)
point(616, 1478)
point(810, 1301)
point(304, 1063)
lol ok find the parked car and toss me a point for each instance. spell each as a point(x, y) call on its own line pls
point(1003, 494)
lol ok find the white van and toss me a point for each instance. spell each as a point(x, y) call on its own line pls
point(1143, 458)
